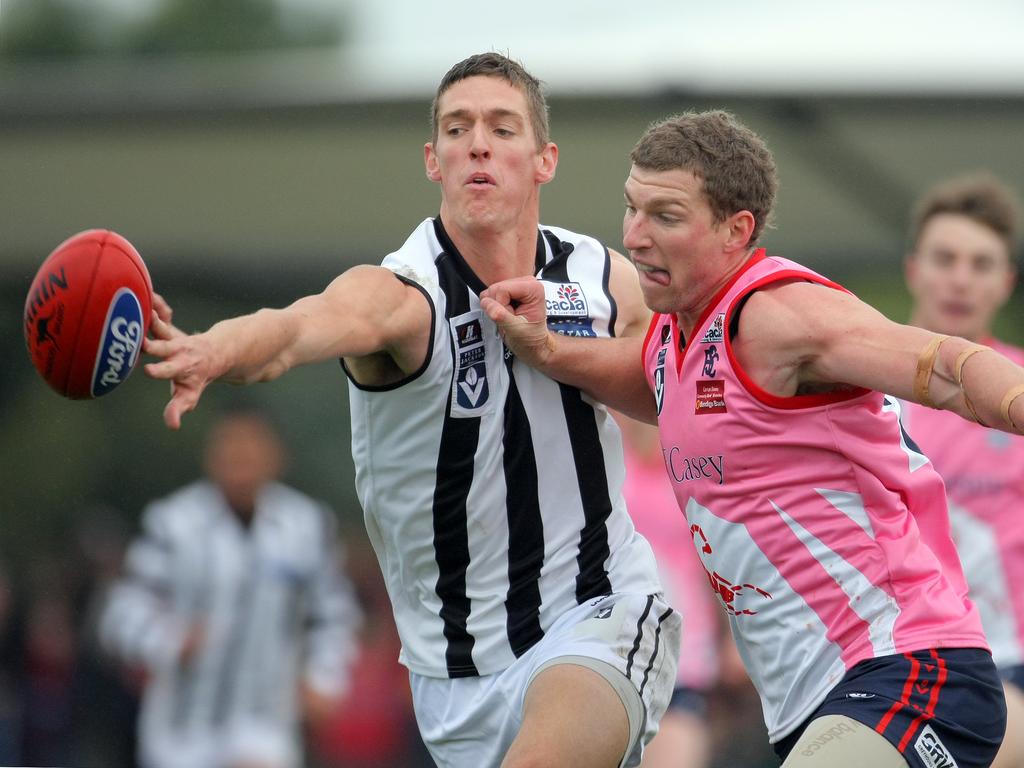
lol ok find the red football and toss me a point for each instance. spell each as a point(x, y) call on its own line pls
point(87, 312)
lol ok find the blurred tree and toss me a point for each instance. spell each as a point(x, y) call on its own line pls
point(44, 29)
point(65, 29)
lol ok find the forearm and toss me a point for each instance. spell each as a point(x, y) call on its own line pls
point(251, 348)
point(608, 370)
point(979, 384)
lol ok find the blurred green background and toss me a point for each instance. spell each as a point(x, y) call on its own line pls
point(248, 179)
point(254, 149)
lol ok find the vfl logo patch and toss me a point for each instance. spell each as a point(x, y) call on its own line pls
point(710, 397)
point(604, 613)
point(857, 695)
point(715, 333)
point(120, 343)
point(659, 379)
point(932, 751)
point(470, 392)
point(565, 300)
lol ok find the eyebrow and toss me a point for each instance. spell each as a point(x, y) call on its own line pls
point(490, 114)
point(659, 202)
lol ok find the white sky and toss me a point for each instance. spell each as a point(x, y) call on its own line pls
point(402, 47)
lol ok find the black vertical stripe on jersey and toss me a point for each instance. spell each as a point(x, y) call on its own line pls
point(654, 653)
point(613, 313)
point(591, 476)
point(235, 648)
point(639, 634)
point(455, 462)
point(556, 270)
point(525, 524)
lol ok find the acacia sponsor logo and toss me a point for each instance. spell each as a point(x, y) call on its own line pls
point(685, 469)
point(565, 300)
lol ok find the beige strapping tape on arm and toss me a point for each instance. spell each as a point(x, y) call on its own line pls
point(1008, 399)
point(925, 364)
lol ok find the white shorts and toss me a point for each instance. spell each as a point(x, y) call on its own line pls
point(631, 640)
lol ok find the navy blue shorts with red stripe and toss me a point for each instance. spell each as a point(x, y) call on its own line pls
point(938, 707)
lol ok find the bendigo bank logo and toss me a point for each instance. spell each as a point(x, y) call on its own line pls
point(565, 300)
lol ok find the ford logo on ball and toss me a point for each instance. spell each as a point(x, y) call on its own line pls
point(120, 344)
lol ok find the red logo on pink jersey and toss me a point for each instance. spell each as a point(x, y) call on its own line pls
point(737, 599)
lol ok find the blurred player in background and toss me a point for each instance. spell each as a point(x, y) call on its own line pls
point(492, 494)
point(234, 608)
point(825, 531)
point(960, 272)
point(683, 740)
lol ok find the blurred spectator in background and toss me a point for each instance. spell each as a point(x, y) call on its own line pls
point(234, 607)
point(960, 272)
point(683, 740)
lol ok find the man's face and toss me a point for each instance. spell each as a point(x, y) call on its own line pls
point(242, 456)
point(486, 156)
point(959, 275)
point(673, 239)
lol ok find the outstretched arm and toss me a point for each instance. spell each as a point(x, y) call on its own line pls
point(802, 334)
point(366, 311)
point(609, 370)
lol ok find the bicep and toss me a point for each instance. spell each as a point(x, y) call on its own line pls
point(850, 342)
point(365, 311)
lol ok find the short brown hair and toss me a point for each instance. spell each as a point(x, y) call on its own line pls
point(734, 163)
point(496, 65)
point(980, 197)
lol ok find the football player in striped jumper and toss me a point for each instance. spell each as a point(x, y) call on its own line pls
point(960, 272)
point(234, 608)
point(529, 609)
point(822, 528)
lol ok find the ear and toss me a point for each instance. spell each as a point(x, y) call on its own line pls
point(738, 229)
point(430, 160)
point(547, 161)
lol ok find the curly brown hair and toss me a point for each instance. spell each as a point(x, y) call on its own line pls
point(496, 65)
point(734, 163)
point(980, 197)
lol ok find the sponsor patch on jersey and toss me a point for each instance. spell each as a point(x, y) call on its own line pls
point(710, 397)
point(565, 300)
point(666, 334)
point(573, 327)
point(859, 695)
point(933, 752)
point(715, 333)
point(659, 379)
point(471, 392)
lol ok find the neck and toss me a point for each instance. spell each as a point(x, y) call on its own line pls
point(688, 318)
point(495, 252)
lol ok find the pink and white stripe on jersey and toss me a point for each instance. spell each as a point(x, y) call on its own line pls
point(984, 474)
point(822, 531)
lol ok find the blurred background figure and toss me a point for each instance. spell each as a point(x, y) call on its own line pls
point(960, 272)
point(683, 741)
point(234, 608)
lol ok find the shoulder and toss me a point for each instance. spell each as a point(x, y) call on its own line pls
point(310, 514)
point(182, 510)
